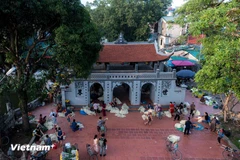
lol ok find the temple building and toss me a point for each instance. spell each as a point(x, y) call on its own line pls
point(134, 72)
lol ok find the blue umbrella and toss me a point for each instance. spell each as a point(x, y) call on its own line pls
point(185, 74)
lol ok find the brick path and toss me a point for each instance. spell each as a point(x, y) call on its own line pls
point(129, 139)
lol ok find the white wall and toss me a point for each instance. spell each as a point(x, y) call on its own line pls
point(152, 93)
point(174, 93)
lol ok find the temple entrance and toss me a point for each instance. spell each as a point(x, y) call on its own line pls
point(147, 93)
point(122, 92)
point(96, 92)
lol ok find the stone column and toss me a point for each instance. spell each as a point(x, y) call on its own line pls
point(161, 66)
point(136, 67)
point(158, 73)
point(155, 67)
point(174, 73)
point(63, 96)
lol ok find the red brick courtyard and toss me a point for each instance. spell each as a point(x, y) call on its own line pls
point(129, 139)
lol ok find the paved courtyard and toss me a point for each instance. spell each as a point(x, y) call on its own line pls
point(129, 139)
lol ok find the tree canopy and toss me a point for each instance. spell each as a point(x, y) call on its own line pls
point(219, 22)
point(131, 17)
point(48, 35)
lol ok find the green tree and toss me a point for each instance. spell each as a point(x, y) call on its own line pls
point(219, 22)
point(32, 31)
point(128, 16)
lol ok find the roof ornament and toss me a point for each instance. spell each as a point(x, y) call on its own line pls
point(120, 40)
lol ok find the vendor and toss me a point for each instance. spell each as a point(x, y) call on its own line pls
point(48, 140)
point(206, 118)
point(38, 134)
point(59, 108)
point(171, 108)
point(74, 126)
point(202, 99)
point(42, 120)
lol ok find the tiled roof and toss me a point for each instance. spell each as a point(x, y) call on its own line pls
point(195, 40)
point(169, 18)
point(130, 53)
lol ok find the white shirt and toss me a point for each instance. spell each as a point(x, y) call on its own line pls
point(95, 105)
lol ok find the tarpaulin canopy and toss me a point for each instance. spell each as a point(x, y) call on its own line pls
point(170, 64)
point(182, 63)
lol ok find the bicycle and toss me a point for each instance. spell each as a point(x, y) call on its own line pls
point(175, 153)
point(7, 157)
point(4, 139)
point(230, 153)
point(92, 154)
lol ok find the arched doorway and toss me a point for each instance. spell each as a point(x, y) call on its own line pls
point(96, 92)
point(122, 92)
point(147, 93)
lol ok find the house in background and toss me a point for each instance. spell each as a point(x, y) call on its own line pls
point(168, 31)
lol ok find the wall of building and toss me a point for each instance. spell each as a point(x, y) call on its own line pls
point(152, 93)
point(78, 92)
point(156, 95)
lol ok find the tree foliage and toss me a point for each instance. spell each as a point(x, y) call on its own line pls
point(219, 22)
point(128, 16)
point(45, 35)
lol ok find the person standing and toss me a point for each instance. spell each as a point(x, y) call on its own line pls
point(38, 134)
point(103, 109)
point(220, 136)
point(99, 123)
point(178, 113)
point(95, 107)
point(213, 124)
point(192, 109)
point(54, 119)
point(188, 125)
point(103, 145)
point(60, 136)
point(171, 108)
point(95, 144)
point(69, 119)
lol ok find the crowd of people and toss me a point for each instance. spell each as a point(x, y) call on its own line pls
point(99, 145)
point(191, 121)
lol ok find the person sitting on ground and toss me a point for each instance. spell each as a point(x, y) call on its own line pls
point(51, 113)
point(38, 134)
point(149, 106)
point(48, 141)
point(42, 120)
point(74, 125)
point(206, 118)
point(59, 108)
point(202, 99)
point(68, 111)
